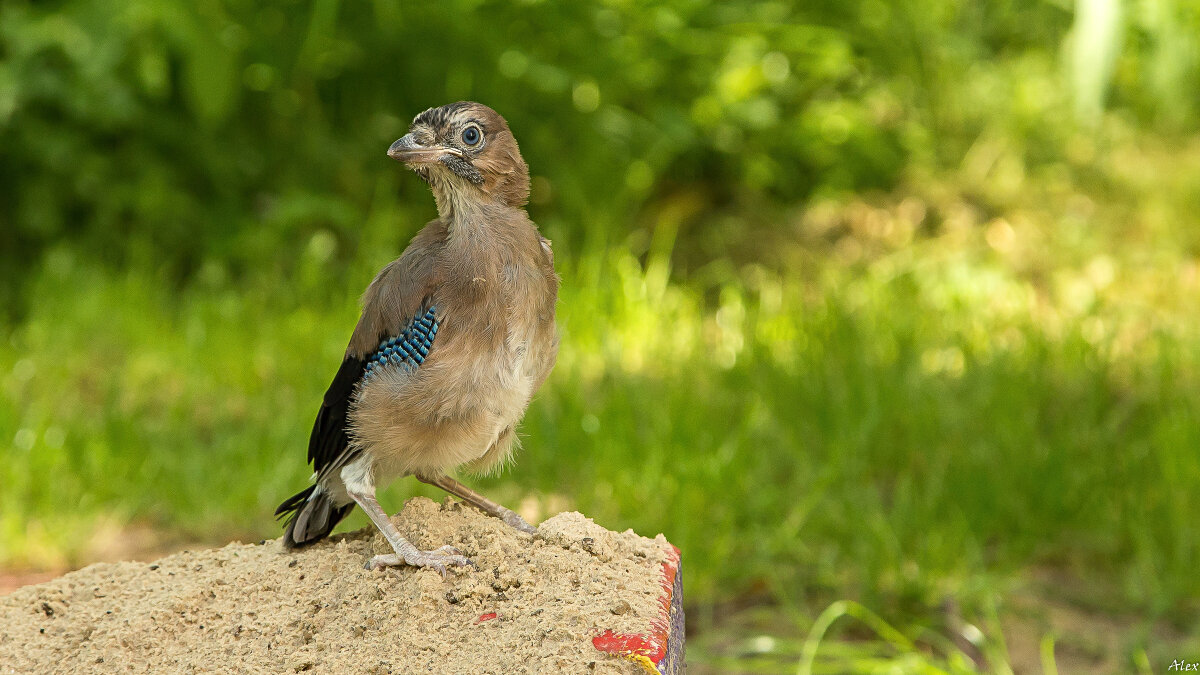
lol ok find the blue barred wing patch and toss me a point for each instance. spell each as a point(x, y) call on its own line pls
point(408, 349)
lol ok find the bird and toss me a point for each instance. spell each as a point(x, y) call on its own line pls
point(455, 337)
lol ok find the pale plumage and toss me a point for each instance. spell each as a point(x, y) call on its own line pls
point(455, 337)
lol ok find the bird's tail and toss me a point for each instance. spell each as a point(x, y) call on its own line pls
point(311, 516)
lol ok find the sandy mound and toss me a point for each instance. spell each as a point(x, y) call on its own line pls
point(532, 604)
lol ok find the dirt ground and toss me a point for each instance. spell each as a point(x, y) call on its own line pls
point(530, 604)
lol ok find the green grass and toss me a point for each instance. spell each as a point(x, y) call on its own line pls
point(924, 423)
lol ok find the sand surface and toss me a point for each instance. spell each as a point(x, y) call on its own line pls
point(260, 609)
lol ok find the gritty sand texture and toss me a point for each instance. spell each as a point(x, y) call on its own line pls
point(260, 609)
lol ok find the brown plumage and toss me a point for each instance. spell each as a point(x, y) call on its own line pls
point(468, 310)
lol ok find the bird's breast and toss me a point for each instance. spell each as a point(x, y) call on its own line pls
point(492, 327)
point(494, 344)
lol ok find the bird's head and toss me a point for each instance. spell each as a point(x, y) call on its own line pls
point(465, 151)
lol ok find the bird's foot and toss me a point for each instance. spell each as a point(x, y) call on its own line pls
point(438, 559)
point(515, 521)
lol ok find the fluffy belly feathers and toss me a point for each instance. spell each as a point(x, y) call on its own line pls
point(457, 408)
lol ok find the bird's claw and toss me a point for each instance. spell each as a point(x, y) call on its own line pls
point(515, 521)
point(438, 559)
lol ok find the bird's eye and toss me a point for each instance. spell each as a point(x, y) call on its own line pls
point(471, 135)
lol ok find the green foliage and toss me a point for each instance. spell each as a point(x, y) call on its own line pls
point(168, 133)
point(173, 132)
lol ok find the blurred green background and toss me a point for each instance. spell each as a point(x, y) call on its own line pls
point(884, 313)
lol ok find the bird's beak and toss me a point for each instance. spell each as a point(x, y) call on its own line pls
point(409, 151)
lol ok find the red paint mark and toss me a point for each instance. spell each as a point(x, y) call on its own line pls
point(630, 645)
point(652, 645)
point(485, 617)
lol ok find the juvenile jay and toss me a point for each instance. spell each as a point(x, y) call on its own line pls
point(455, 337)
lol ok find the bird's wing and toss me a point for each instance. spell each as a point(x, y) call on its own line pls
point(396, 298)
point(330, 439)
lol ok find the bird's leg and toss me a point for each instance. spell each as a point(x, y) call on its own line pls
point(405, 552)
point(479, 501)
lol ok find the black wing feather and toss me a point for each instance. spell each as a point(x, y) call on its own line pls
point(330, 435)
